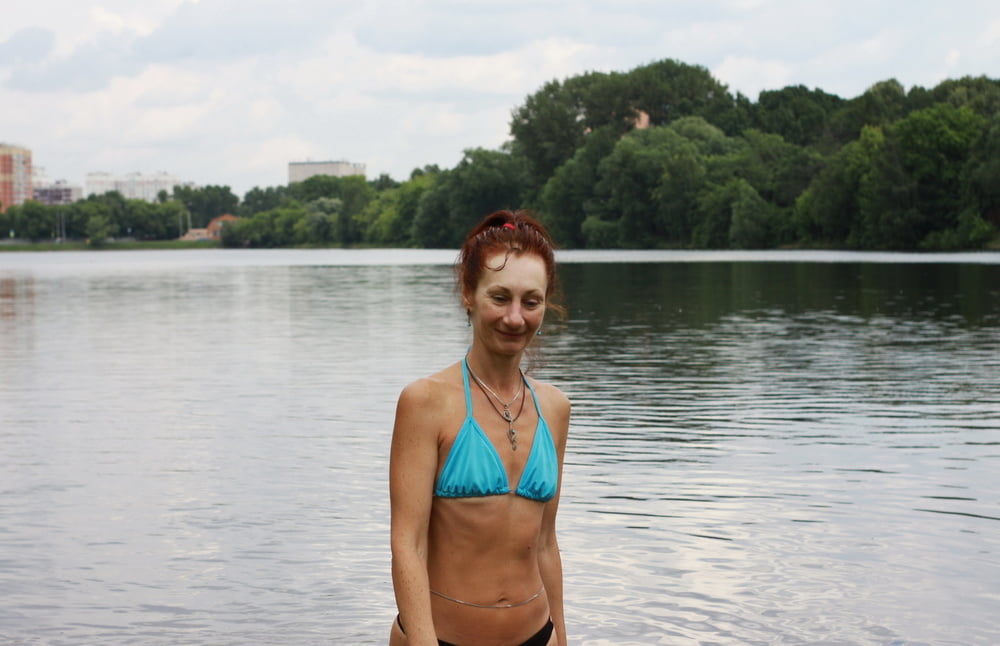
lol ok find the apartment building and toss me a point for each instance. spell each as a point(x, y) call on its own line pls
point(57, 192)
point(133, 186)
point(51, 192)
point(301, 171)
point(15, 175)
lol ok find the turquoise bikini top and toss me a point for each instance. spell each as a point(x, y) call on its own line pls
point(473, 467)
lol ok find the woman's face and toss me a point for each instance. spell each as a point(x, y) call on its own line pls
point(508, 305)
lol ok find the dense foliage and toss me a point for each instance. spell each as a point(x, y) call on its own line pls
point(661, 156)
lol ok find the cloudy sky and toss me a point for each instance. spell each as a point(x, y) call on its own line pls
point(229, 91)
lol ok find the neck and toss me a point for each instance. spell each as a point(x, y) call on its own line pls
point(501, 372)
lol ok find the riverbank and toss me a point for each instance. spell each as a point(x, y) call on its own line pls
point(80, 245)
point(133, 245)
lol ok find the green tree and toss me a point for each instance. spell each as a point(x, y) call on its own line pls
point(715, 213)
point(430, 224)
point(981, 175)
point(258, 199)
point(601, 234)
point(206, 203)
point(934, 146)
point(752, 223)
point(778, 171)
point(10, 222)
point(383, 183)
point(380, 218)
point(881, 105)
point(828, 211)
point(667, 90)
point(799, 115)
point(320, 224)
point(390, 215)
point(99, 229)
point(172, 219)
point(705, 156)
point(979, 94)
point(914, 188)
point(280, 227)
point(482, 182)
point(887, 217)
point(77, 215)
point(676, 197)
point(315, 187)
point(629, 178)
point(569, 194)
point(34, 221)
point(355, 195)
point(548, 128)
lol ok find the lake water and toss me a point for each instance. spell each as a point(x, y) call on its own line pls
point(766, 448)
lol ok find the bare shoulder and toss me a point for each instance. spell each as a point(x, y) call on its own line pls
point(555, 403)
point(429, 398)
point(551, 395)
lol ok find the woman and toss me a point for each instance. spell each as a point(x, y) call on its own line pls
point(476, 463)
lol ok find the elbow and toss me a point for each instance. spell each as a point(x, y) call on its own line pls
point(408, 548)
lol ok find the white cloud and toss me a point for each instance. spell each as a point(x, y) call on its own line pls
point(991, 34)
point(749, 75)
point(269, 157)
point(229, 91)
point(107, 20)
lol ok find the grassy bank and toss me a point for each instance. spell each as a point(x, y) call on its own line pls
point(111, 246)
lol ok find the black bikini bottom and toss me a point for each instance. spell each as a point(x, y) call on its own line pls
point(541, 638)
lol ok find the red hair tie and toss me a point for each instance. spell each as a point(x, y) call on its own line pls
point(508, 225)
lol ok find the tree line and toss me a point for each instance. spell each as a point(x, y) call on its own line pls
point(662, 156)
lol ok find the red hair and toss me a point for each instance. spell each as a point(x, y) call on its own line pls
point(514, 232)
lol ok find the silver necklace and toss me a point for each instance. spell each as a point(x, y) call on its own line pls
point(505, 413)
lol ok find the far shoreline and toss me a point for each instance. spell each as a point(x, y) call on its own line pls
point(160, 245)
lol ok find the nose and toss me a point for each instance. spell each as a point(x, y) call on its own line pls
point(515, 316)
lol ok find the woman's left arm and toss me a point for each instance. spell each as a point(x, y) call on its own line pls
point(549, 559)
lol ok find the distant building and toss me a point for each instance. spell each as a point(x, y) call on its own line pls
point(133, 186)
point(15, 175)
point(49, 192)
point(301, 171)
point(99, 183)
point(214, 227)
point(195, 235)
point(58, 192)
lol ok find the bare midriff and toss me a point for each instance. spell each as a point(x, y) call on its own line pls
point(482, 553)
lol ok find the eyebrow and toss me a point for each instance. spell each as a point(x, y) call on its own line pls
point(504, 288)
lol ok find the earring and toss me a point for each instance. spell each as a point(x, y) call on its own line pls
point(539, 332)
point(468, 318)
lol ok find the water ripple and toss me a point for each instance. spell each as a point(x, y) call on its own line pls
point(194, 447)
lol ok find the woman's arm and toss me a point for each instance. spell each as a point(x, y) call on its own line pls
point(549, 559)
point(412, 466)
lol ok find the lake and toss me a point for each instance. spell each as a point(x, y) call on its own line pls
point(766, 447)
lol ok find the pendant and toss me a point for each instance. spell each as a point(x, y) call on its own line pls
point(506, 415)
point(512, 436)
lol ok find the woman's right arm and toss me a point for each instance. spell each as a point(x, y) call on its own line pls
point(412, 467)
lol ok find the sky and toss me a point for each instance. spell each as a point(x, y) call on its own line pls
point(227, 92)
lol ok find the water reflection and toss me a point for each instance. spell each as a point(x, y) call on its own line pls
point(776, 439)
point(194, 447)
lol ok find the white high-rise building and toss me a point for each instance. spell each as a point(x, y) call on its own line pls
point(133, 186)
point(301, 171)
